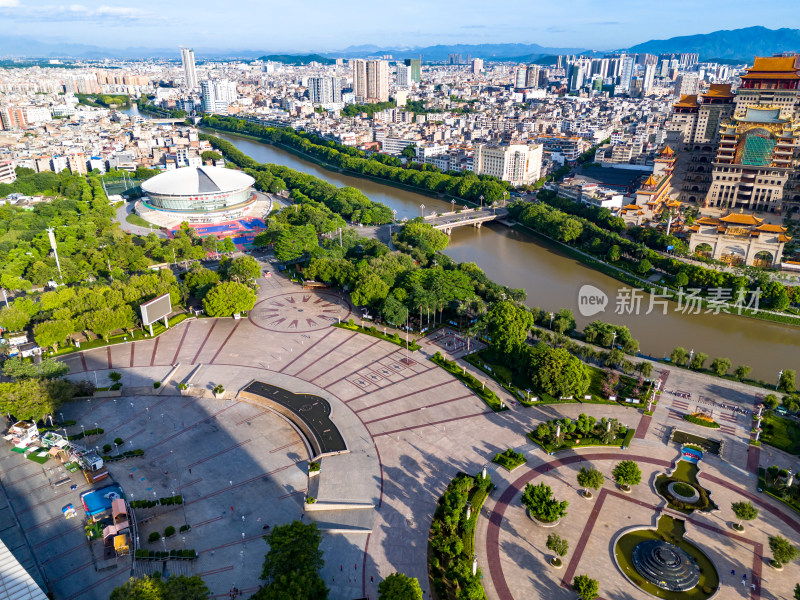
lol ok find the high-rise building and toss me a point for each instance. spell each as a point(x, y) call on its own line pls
point(415, 64)
point(600, 67)
point(378, 80)
point(324, 90)
point(189, 72)
point(687, 84)
point(649, 76)
point(477, 66)
point(371, 80)
point(453, 59)
point(532, 74)
point(217, 95)
point(403, 75)
point(516, 163)
point(626, 72)
point(359, 67)
point(575, 77)
point(519, 77)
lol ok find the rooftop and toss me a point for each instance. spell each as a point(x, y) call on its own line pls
point(197, 180)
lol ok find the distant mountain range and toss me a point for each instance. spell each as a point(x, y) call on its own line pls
point(741, 44)
point(297, 59)
point(731, 45)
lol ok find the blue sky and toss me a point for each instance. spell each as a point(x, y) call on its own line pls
point(325, 25)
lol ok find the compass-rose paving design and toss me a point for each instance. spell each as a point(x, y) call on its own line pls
point(300, 312)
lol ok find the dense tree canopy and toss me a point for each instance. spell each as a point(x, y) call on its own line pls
point(229, 298)
point(177, 587)
point(292, 564)
point(399, 587)
point(556, 372)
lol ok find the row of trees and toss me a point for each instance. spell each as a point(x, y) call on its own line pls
point(99, 308)
point(597, 232)
point(722, 366)
point(464, 185)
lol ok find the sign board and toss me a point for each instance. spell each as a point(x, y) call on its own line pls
point(155, 309)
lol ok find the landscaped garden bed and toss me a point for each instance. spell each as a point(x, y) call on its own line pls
point(451, 544)
point(684, 479)
point(701, 419)
point(775, 482)
point(585, 431)
point(781, 433)
point(510, 459)
point(470, 380)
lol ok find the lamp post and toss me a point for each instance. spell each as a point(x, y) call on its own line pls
point(551, 321)
point(613, 340)
point(481, 201)
point(421, 211)
point(780, 374)
point(453, 204)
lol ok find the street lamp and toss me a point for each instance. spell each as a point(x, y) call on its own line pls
point(421, 211)
point(453, 204)
point(481, 201)
point(780, 374)
point(613, 340)
point(551, 320)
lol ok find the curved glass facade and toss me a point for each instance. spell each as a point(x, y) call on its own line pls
point(200, 202)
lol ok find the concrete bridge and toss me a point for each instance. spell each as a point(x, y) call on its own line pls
point(469, 216)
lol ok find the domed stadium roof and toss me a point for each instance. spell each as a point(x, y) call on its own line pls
point(193, 181)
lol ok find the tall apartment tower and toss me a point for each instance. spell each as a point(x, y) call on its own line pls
point(477, 66)
point(324, 90)
point(626, 72)
point(187, 58)
point(403, 75)
point(371, 80)
point(532, 74)
point(649, 76)
point(687, 84)
point(415, 64)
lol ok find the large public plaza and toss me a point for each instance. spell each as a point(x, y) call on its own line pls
point(409, 427)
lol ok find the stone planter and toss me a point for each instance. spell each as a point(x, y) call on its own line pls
point(313, 473)
point(687, 499)
point(776, 566)
point(587, 495)
point(738, 528)
point(626, 489)
point(556, 565)
point(186, 392)
point(219, 396)
point(541, 523)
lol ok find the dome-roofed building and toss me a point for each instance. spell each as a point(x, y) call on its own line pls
point(199, 195)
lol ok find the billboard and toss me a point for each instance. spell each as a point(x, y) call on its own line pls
point(156, 309)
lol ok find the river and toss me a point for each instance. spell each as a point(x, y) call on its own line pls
point(552, 280)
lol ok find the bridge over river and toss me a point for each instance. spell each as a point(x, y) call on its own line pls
point(469, 216)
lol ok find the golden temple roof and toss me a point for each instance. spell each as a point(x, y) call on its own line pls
point(771, 228)
point(667, 151)
point(719, 90)
point(707, 221)
point(776, 64)
point(774, 67)
point(650, 181)
point(689, 101)
point(741, 219)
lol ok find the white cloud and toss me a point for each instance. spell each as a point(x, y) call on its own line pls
point(9, 3)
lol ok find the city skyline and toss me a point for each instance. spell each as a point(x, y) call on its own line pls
point(577, 24)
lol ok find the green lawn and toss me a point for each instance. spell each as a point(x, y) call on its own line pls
point(137, 220)
point(670, 530)
point(781, 433)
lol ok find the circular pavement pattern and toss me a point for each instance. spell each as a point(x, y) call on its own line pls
point(299, 312)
